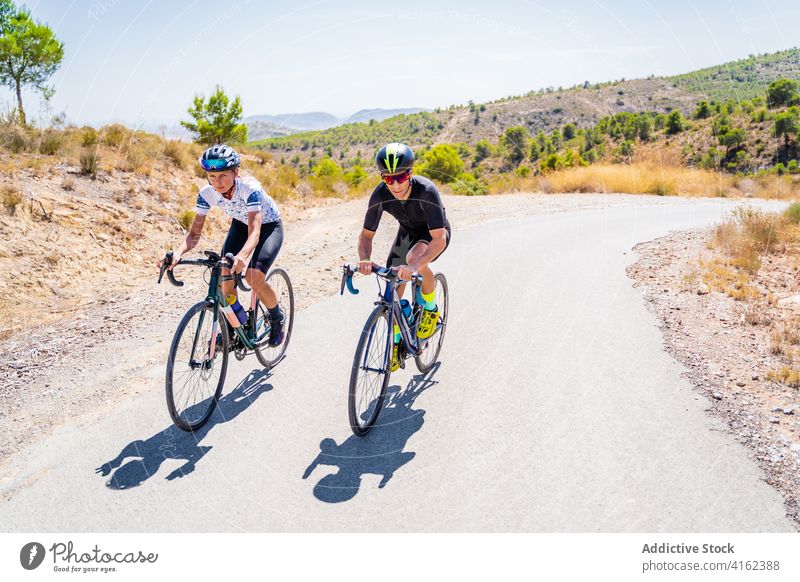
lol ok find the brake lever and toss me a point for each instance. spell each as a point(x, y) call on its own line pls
point(164, 269)
point(164, 264)
point(237, 277)
point(347, 279)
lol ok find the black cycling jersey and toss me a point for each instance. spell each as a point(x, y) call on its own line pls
point(422, 212)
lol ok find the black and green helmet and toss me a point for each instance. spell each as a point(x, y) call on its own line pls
point(394, 158)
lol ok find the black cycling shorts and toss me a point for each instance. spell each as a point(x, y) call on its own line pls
point(269, 243)
point(406, 239)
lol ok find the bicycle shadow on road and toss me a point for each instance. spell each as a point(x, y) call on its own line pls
point(380, 452)
point(173, 443)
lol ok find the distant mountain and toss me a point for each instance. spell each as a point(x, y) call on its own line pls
point(365, 115)
point(296, 121)
point(265, 126)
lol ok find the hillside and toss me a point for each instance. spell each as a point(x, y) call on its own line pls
point(542, 110)
point(742, 79)
point(86, 212)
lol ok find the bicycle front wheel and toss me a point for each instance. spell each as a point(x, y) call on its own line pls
point(371, 370)
point(269, 355)
point(433, 345)
point(196, 367)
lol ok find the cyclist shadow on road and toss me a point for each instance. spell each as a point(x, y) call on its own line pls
point(380, 452)
point(173, 443)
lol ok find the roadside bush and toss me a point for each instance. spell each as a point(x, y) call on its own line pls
point(11, 199)
point(186, 218)
point(793, 213)
point(115, 135)
point(15, 139)
point(175, 150)
point(468, 185)
point(89, 161)
point(137, 160)
point(441, 163)
point(355, 176)
point(88, 136)
point(50, 142)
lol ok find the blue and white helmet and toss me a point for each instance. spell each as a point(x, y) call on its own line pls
point(219, 158)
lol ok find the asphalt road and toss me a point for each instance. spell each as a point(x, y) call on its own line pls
point(555, 408)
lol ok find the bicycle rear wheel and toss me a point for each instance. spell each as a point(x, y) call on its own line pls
point(433, 345)
point(369, 376)
point(268, 355)
point(195, 375)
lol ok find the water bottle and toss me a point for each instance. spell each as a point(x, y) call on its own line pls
point(406, 307)
point(235, 312)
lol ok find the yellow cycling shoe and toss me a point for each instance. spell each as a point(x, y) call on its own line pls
point(427, 324)
point(395, 357)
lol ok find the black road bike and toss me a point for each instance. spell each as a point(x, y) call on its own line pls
point(373, 359)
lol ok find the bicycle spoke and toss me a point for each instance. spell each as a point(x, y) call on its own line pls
point(194, 380)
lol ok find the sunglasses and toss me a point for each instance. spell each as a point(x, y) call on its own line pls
point(399, 178)
point(213, 165)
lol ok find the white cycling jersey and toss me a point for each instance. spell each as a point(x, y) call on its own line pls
point(248, 196)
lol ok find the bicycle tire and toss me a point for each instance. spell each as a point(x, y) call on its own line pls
point(268, 355)
point(363, 409)
point(189, 409)
point(430, 353)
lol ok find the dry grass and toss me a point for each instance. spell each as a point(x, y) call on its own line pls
point(649, 176)
point(137, 159)
point(178, 152)
point(641, 178)
point(749, 234)
point(721, 275)
point(784, 340)
point(744, 238)
point(11, 199)
point(89, 161)
point(785, 375)
point(185, 218)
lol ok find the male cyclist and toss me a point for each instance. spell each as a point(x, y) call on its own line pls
point(256, 228)
point(423, 235)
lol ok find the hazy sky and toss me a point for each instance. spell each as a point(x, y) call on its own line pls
point(142, 62)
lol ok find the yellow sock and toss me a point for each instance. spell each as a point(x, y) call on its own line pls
point(428, 298)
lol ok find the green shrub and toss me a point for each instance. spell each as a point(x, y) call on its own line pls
point(88, 136)
point(522, 171)
point(467, 185)
point(703, 110)
point(515, 143)
point(676, 123)
point(11, 199)
point(115, 135)
point(483, 150)
point(186, 218)
point(175, 150)
point(327, 168)
point(15, 139)
point(50, 142)
point(441, 163)
point(782, 92)
point(793, 213)
point(355, 176)
point(89, 161)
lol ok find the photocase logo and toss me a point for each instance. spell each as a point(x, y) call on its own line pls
point(31, 555)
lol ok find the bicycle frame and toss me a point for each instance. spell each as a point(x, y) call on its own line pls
point(217, 299)
point(390, 297)
point(391, 300)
